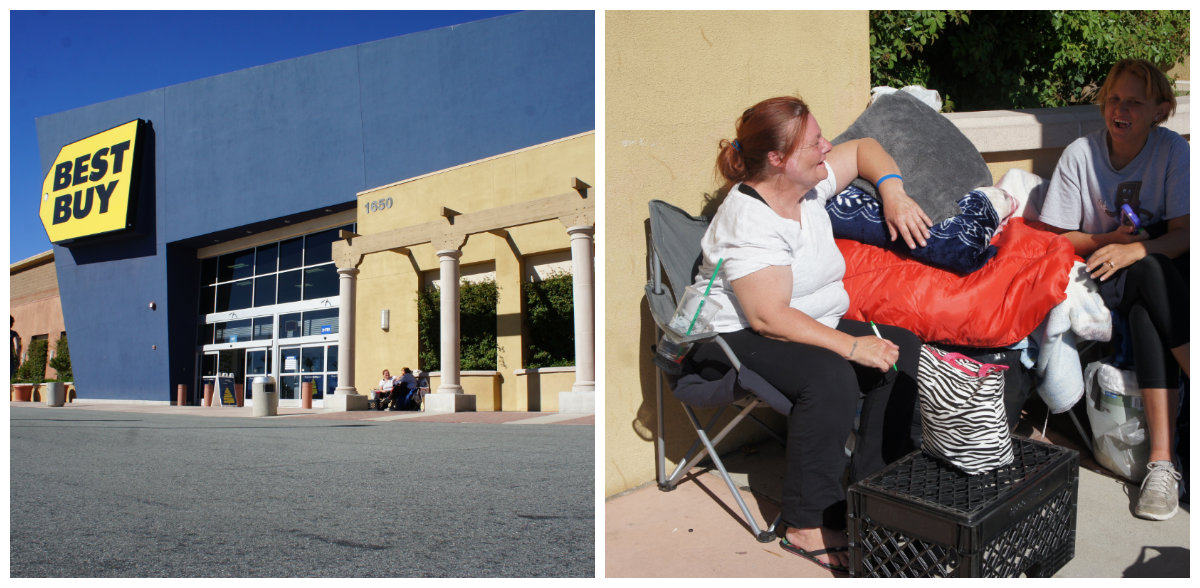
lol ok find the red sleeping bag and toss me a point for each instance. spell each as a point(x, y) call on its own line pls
point(995, 306)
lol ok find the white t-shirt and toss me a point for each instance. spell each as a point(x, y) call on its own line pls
point(1086, 193)
point(387, 384)
point(748, 236)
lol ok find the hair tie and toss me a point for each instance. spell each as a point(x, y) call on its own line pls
point(737, 145)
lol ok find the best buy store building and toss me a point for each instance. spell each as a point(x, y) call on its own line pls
point(280, 220)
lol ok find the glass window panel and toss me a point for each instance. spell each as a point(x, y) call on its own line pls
point(256, 362)
point(290, 359)
point(208, 368)
point(235, 266)
point(205, 334)
point(235, 295)
point(208, 271)
point(332, 359)
point(264, 327)
point(289, 387)
point(318, 383)
point(233, 331)
point(289, 286)
point(320, 281)
point(227, 363)
point(312, 359)
point(264, 290)
point(289, 325)
point(321, 322)
point(266, 260)
point(331, 382)
point(317, 247)
point(291, 253)
point(208, 296)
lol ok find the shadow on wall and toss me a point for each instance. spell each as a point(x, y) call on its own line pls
point(678, 431)
point(140, 241)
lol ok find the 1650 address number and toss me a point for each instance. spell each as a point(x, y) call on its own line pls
point(378, 205)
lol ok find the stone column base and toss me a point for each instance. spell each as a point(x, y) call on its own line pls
point(577, 402)
point(346, 402)
point(446, 402)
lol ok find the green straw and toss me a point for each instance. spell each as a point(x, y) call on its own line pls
point(706, 291)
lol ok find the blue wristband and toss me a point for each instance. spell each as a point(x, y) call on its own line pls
point(887, 177)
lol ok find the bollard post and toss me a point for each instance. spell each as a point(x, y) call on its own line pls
point(306, 395)
point(208, 394)
point(181, 395)
point(239, 392)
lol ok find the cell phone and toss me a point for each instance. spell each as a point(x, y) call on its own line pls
point(1129, 217)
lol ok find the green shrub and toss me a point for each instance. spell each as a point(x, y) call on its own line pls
point(34, 369)
point(477, 326)
point(984, 60)
point(62, 360)
point(550, 315)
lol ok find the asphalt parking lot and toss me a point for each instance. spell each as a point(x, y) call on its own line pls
point(104, 493)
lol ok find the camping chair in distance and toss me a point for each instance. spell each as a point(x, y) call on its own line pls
point(675, 250)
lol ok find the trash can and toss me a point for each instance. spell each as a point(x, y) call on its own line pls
point(56, 393)
point(266, 398)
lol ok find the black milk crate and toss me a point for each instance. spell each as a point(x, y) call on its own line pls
point(919, 517)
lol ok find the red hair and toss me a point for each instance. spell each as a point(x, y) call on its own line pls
point(771, 125)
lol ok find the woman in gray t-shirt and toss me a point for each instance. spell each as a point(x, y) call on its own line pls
point(1120, 195)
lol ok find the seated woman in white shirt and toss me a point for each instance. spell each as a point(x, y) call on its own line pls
point(780, 285)
point(384, 390)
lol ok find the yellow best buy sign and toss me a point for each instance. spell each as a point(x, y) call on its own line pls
point(90, 189)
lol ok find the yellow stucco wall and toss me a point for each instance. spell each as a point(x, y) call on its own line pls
point(674, 84)
point(391, 279)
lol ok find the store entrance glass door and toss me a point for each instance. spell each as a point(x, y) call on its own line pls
point(226, 363)
point(307, 363)
point(258, 363)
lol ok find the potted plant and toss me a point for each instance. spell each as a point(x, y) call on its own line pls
point(31, 373)
point(61, 362)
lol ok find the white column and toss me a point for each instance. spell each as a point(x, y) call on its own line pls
point(346, 397)
point(451, 352)
point(582, 397)
point(584, 293)
point(449, 396)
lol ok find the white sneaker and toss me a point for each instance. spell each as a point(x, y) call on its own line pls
point(1159, 499)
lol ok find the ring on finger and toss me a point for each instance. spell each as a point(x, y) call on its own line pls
point(1111, 264)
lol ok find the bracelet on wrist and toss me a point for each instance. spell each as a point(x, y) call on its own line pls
point(887, 177)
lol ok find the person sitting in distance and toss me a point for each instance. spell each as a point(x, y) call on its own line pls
point(384, 392)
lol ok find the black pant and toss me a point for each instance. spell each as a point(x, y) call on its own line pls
point(1153, 295)
point(825, 390)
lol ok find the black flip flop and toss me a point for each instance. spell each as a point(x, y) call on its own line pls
point(812, 555)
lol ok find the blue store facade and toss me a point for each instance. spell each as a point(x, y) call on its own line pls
point(282, 150)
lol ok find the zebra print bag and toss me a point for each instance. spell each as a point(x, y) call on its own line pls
point(962, 411)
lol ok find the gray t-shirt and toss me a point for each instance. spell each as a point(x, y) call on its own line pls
point(1086, 193)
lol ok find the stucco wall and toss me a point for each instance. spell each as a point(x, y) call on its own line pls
point(391, 279)
point(674, 84)
point(34, 305)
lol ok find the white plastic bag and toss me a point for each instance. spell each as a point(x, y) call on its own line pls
point(930, 97)
point(1114, 408)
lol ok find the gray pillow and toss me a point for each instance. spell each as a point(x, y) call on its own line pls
point(938, 162)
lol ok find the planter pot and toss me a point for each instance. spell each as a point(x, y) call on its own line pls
point(55, 393)
point(22, 392)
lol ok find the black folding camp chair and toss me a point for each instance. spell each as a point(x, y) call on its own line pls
point(675, 250)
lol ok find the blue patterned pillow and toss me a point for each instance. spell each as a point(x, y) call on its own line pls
point(960, 243)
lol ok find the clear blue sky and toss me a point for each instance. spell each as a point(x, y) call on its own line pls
point(61, 60)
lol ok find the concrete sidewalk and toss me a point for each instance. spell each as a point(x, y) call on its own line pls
point(514, 418)
point(697, 529)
